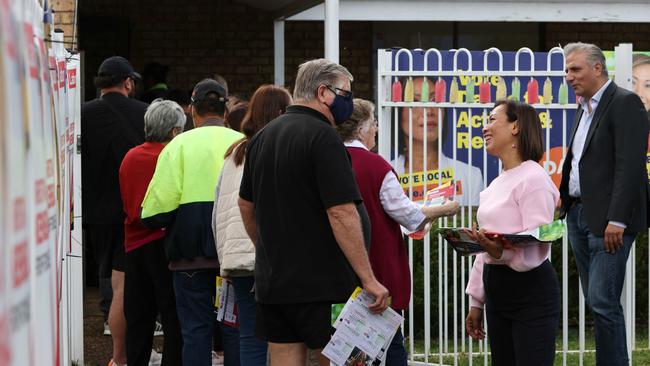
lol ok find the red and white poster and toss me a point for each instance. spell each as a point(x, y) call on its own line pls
point(16, 311)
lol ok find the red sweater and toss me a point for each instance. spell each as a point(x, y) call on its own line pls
point(136, 171)
point(388, 256)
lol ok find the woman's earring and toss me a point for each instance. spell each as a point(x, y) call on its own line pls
point(514, 146)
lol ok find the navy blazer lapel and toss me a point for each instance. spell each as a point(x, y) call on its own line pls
point(602, 105)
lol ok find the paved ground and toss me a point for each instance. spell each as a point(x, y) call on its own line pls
point(98, 347)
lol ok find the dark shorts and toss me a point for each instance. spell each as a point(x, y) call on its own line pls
point(108, 241)
point(308, 323)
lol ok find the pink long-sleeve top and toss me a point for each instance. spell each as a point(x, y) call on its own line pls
point(519, 199)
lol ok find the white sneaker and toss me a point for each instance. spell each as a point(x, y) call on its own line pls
point(155, 359)
point(158, 330)
point(216, 359)
point(107, 330)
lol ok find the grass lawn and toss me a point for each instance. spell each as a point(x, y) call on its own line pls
point(640, 357)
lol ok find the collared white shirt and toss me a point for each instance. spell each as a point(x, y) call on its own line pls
point(393, 199)
point(579, 143)
point(580, 138)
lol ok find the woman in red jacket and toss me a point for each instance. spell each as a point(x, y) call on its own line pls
point(388, 207)
point(148, 282)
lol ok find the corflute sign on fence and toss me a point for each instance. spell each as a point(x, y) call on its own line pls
point(461, 88)
point(40, 279)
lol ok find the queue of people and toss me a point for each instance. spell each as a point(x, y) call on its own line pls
point(285, 199)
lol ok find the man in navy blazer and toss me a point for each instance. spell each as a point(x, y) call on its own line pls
point(604, 191)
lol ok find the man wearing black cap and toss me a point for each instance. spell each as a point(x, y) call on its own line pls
point(110, 126)
point(180, 198)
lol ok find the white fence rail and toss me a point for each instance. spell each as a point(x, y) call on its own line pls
point(433, 137)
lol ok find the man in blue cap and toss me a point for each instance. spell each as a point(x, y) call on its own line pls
point(111, 125)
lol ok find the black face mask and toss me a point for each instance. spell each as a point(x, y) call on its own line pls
point(341, 108)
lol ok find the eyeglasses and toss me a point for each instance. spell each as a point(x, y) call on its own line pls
point(339, 91)
point(373, 122)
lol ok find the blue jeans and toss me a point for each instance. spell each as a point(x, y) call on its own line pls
point(195, 306)
point(602, 275)
point(230, 340)
point(252, 350)
point(396, 354)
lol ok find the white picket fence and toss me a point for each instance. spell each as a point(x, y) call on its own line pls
point(449, 303)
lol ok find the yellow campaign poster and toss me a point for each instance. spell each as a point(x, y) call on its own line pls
point(431, 178)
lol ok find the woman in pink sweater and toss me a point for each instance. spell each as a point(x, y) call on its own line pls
point(517, 286)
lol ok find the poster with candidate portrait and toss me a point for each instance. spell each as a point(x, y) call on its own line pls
point(437, 119)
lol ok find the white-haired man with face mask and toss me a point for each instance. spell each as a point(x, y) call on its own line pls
point(301, 207)
point(148, 286)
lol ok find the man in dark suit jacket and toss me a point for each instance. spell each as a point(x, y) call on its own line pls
point(604, 191)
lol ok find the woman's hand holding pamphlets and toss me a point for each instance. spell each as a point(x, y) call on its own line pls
point(467, 241)
point(492, 243)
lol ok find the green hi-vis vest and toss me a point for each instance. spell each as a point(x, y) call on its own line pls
point(181, 193)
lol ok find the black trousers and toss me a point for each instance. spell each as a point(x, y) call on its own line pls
point(148, 290)
point(523, 314)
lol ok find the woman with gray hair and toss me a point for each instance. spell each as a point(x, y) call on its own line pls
point(148, 286)
point(388, 207)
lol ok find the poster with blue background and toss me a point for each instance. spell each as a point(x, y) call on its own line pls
point(463, 95)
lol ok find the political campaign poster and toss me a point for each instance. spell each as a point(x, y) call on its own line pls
point(17, 319)
point(640, 82)
point(41, 231)
point(437, 121)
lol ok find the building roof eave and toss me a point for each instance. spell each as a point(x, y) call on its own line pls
point(630, 11)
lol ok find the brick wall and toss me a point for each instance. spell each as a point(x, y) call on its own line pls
point(64, 12)
point(202, 37)
point(198, 38)
point(305, 41)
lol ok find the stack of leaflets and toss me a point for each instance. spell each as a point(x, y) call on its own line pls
point(361, 337)
point(224, 301)
point(460, 240)
point(434, 197)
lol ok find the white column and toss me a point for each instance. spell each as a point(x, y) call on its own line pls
point(278, 54)
point(332, 30)
point(384, 63)
point(623, 78)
